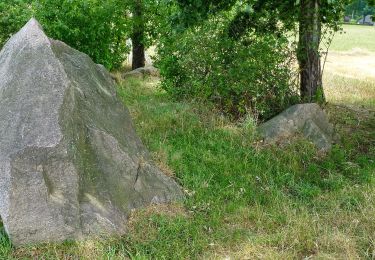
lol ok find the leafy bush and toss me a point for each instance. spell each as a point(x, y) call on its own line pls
point(13, 15)
point(252, 75)
point(97, 28)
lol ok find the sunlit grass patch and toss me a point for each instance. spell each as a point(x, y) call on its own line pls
point(354, 36)
point(350, 91)
point(349, 78)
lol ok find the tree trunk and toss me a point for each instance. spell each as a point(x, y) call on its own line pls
point(138, 36)
point(308, 52)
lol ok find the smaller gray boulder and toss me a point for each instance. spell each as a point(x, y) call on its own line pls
point(307, 119)
point(142, 73)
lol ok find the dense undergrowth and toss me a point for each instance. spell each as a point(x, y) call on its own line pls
point(243, 200)
point(255, 74)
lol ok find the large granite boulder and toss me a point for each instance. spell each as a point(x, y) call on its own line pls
point(71, 164)
point(306, 119)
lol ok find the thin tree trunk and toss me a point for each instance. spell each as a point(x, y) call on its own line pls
point(138, 36)
point(308, 52)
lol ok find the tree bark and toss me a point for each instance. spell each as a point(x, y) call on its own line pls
point(308, 52)
point(138, 36)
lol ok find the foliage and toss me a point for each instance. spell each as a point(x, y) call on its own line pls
point(247, 25)
point(278, 18)
point(97, 28)
point(359, 8)
point(145, 21)
point(251, 75)
point(194, 11)
point(13, 15)
point(152, 15)
point(270, 11)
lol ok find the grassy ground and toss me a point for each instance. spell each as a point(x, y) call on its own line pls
point(355, 37)
point(243, 200)
point(349, 70)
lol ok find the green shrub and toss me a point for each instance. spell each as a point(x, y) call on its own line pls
point(13, 15)
point(253, 75)
point(97, 28)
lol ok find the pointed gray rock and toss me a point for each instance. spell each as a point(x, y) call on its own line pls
point(71, 164)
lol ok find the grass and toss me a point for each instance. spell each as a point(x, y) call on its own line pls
point(249, 201)
point(245, 200)
point(354, 37)
point(349, 76)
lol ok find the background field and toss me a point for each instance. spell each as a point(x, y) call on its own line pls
point(245, 200)
point(354, 37)
point(349, 77)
